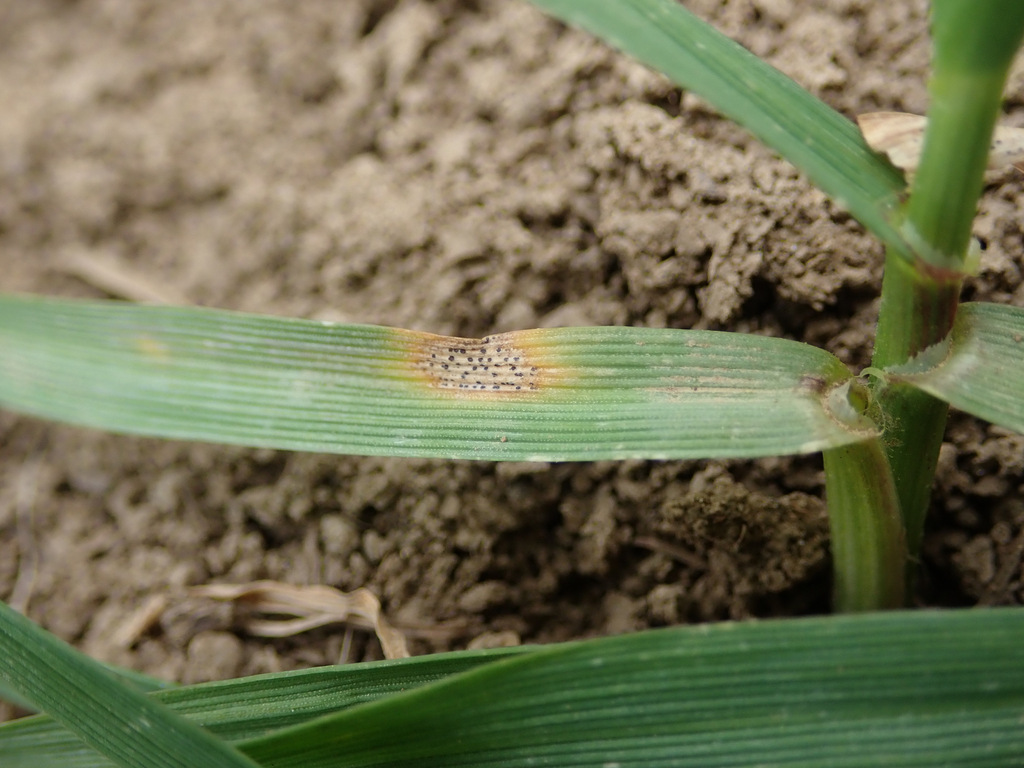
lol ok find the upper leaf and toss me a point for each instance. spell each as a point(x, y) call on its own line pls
point(800, 127)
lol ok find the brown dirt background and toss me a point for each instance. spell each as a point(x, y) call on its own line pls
point(463, 168)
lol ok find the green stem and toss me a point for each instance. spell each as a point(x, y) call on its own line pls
point(917, 311)
point(918, 421)
point(975, 44)
point(868, 547)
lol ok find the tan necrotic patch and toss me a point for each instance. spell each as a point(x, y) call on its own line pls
point(495, 365)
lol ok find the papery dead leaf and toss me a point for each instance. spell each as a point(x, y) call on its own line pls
point(140, 621)
point(900, 137)
point(313, 606)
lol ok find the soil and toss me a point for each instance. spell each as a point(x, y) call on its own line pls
point(463, 168)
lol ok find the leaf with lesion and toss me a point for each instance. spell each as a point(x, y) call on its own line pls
point(559, 394)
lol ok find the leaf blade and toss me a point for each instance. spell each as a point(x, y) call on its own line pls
point(893, 689)
point(109, 714)
point(246, 708)
point(979, 368)
point(901, 688)
point(584, 393)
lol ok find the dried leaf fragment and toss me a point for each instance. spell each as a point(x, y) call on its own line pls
point(900, 137)
point(144, 618)
point(313, 606)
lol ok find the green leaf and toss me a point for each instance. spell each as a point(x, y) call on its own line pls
point(920, 688)
point(979, 368)
point(801, 128)
point(8, 694)
point(107, 713)
point(894, 689)
point(249, 707)
point(557, 394)
point(142, 682)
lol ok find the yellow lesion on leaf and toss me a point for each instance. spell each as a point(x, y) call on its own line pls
point(502, 365)
point(153, 348)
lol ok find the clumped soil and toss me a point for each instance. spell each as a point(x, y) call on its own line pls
point(463, 168)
